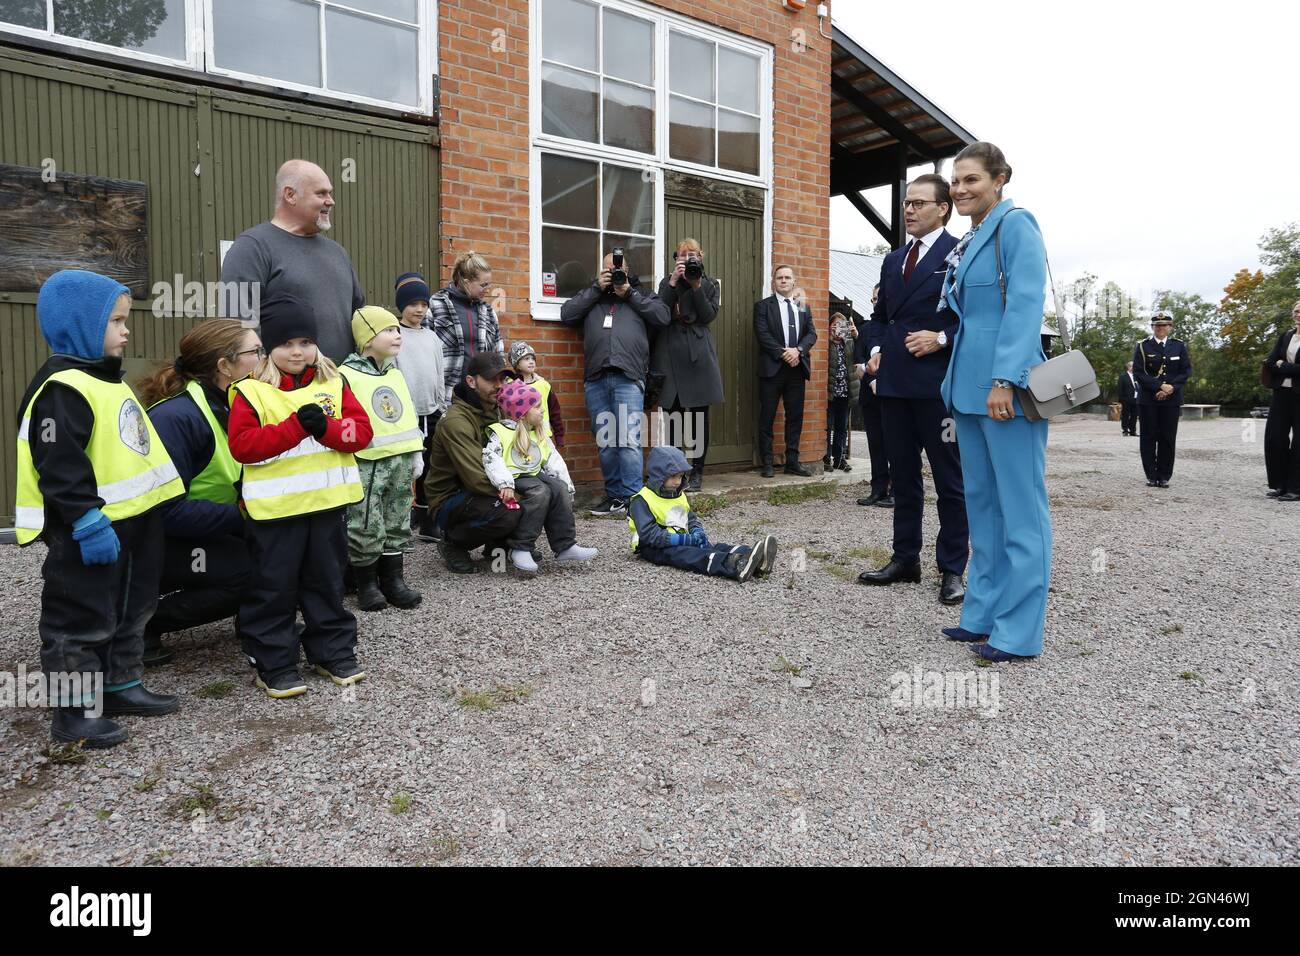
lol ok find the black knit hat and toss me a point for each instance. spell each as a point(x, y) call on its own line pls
point(410, 287)
point(283, 317)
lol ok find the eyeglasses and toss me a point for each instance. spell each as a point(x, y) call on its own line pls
point(919, 204)
point(259, 352)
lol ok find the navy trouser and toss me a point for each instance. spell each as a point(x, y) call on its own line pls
point(1159, 423)
point(875, 429)
point(297, 563)
point(708, 560)
point(202, 581)
point(93, 616)
point(468, 520)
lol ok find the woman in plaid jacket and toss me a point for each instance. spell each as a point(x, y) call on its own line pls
point(464, 321)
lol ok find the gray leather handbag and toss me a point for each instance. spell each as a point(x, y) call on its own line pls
point(1061, 383)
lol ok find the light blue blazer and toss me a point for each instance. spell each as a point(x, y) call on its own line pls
point(993, 340)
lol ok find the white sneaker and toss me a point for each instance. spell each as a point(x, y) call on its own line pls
point(523, 561)
point(576, 554)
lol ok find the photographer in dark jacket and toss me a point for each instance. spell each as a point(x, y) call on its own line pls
point(685, 356)
point(616, 317)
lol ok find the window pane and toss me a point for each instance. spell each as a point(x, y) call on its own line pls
point(569, 33)
point(569, 103)
point(629, 117)
point(691, 66)
point(638, 255)
point(353, 45)
point(24, 13)
point(275, 38)
point(738, 80)
point(629, 48)
point(628, 201)
point(156, 27)
point(738, 142)
point(397, 9)
point(573, 256)
point(690, 131)
point(568, 191)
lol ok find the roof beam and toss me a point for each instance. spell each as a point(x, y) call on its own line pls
point(882, 118)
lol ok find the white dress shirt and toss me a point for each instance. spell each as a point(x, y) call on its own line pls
point(1291, 351)
point(926, 241)
point(785, 320)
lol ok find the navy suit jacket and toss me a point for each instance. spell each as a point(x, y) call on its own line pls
point(1155, 365)
point(904, 308)
point(769, 330)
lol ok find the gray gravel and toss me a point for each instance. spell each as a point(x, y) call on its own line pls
point(646, 716)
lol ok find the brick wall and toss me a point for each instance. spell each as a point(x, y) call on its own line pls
point(483, 65)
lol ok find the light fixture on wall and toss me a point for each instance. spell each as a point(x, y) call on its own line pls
point(795, 5)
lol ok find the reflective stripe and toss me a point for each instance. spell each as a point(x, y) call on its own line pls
point(23, 428)
point(308, 446)
point(137, 485)
point(412, 434)
point(33, 518)
point(300, 484)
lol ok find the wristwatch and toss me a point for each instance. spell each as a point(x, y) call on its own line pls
point(942, 340)
point(1002, 383)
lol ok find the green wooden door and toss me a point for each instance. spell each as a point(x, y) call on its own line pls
point(733, 254)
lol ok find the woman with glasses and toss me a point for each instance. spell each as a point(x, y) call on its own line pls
point(994, 283)
point(206, 559)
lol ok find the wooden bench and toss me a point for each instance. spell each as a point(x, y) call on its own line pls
point(1200, 411)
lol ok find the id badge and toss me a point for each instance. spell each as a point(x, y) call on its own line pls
point(609, 322)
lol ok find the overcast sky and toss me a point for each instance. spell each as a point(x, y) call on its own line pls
point(1141, 133)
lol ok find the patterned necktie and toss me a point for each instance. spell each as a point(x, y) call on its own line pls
point(910, 266)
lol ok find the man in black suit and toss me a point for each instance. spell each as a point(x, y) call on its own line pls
point(869, 402)
point(910, 342)
point(785, 333)
point(1128, 402)
point(1162, 366)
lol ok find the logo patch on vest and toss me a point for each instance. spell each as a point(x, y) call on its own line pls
point(386, 404)
point(677, 517)
point(326, 401)
point(132, 428)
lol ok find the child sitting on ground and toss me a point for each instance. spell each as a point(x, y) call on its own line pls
point(379, 526)
point(523, 464)
point(524, 361)
point(666, 531)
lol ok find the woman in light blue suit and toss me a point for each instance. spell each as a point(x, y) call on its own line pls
point(995, 285)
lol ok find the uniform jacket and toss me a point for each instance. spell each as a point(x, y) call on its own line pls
point(1155, 365)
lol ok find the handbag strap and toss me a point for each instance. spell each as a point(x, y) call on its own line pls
point(1002, 281)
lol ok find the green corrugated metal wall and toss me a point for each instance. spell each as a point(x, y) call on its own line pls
point(100, 122)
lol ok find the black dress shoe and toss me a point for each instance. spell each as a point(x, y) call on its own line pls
point(138, 702)
point(794, 468)
point(1276, 493)
point(1289, 496)
point(952, 591)
point(1152, 483)
point(885, 501)
point(870, 499)
point(1162, 483)
point(767, 471)
point(892, 573)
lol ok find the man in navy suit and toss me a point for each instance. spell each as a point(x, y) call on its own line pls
point(909, 342)
point(784, 328)
point(1162, 366)
point(869, 402)
point(1128, 400)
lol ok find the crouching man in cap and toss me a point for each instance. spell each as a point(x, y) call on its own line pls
point(465, 505)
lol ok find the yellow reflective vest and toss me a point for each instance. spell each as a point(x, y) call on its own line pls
point(543, 386)
point(133, 472)
point(673, 514)
point(387, 401)
point(308, 477)
point(216, 482)
point(517, 464)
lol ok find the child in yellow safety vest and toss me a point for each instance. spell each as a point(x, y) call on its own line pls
point(92, 473)
point(524, 361)
point(296, 425)
point(379, 526)
point(666, 531)
point(528, 472)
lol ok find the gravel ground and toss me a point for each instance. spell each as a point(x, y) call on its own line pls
point(638, 715)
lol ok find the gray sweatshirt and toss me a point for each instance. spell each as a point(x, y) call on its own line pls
point(421, 363)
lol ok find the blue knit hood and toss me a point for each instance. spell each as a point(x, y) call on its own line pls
point(73, 308)
point(665, 461)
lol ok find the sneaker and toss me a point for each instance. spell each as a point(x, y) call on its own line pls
point(576, 555)
point(523, 561)
point(288, 684)
point(743, 565)
point(609, 508)
point(769, 557)
point(342, 673)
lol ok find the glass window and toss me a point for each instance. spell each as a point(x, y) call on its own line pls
point(569, 103)
point(709, 129)
point(629, 45)
point(274, 38)
point(569, 33)
point(404, 10)
point(738, 75)
point(738, 142)
point(353, 47)
point(628, 200)
point(24, 13)
point(629, 117)
point(690, 66)
point(572, 256)
point(156, 27)
point(690, 131)
point(570, 191)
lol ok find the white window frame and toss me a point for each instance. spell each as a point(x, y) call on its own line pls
point(547, 308)
point(199, 53)
point(193, 58)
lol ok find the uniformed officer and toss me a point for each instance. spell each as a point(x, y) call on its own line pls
point(1161, 365)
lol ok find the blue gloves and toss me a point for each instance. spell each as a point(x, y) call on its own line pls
point(689, 539)
point(94, 532)
point(699, 538)
point(676, 540)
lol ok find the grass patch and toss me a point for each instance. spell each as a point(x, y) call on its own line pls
point(845, 564)
point(157, 857)
point(151, 780)
point(1191, 675)
point(798, 494)
point(705, 505)
point(493, 697)
point(400, 803)
point(783, 666)
point(67, 754)
point(444, 849)
point(1172, 629)
point(203, 799)
point(217, 690)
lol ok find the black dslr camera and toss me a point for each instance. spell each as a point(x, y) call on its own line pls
point(617, 276)
point(693, 268)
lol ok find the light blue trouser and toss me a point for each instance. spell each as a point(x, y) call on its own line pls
point(1003, 465)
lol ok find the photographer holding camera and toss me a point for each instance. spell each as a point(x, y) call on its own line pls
point(685, 356)
point(615, 315)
